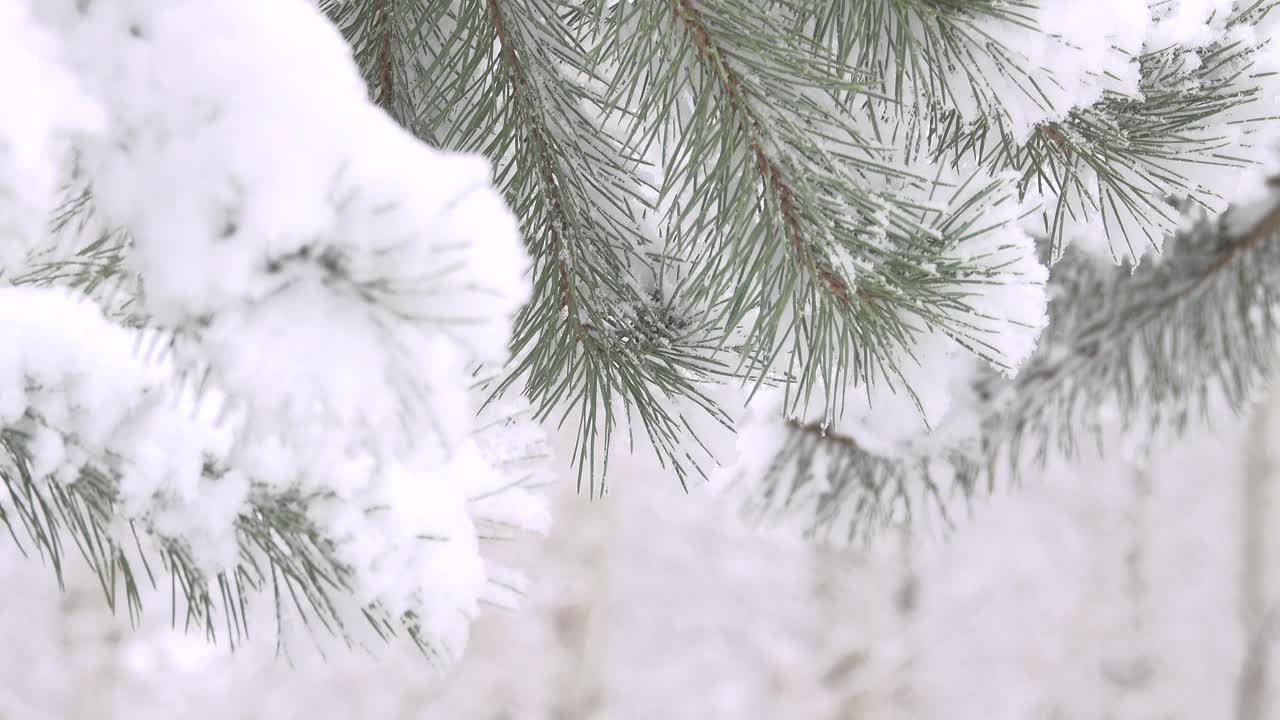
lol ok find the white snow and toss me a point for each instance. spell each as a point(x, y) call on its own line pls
point(335, 278)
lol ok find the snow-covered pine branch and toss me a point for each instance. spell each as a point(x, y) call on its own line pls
point(1170, 121)
point(283, 407)
point(1155, 345)
point(790, 194)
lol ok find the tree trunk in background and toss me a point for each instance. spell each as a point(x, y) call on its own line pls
point(91, 645)
point(841, 659)
point(1256, 619)
point(1131, 674)
point(881, 611)
point(581, 623)
point(906, 601)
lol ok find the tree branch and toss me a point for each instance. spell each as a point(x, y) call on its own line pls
point(1265, 228)
point(518, 82)
point(824, 433)
point(714, 58)
point(384, 19)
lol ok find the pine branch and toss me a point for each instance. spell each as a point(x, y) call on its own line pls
point(1157, 343)
point(84, 256)
point(1122, 159)
point(508, 78)
point(927, 56)
point(523, 97)
point(751, 126)
point(840, 492)
point(781, 142)
point(797, 226)
point(385, 87)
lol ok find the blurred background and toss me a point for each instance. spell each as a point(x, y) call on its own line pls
point(1125, 585)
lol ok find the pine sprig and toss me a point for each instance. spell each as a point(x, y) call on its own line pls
point(1124, 158)
point(95, 268)
point(1115, 166)
point(510, 79)
point(1158, 344)
point(796, 223)
point(396, 36)
point(927, 56)
point(279, 548)
point(838, 491)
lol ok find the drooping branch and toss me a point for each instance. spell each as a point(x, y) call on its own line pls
point(518, 82)
point(1151, 342)
point(384, 20)
point(716, 62)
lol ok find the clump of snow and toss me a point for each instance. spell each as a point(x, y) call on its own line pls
point(35, 141)
point(1082, 48)
point(275, 209)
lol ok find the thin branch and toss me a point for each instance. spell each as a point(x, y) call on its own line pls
point(770, 174)
point(518, 82)
point(824, 433)
point(384, 16)
point(1265, 228)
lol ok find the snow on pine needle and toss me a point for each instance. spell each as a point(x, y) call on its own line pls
point(297, 414)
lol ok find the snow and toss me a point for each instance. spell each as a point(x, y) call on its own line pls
point(332, 281)
point(1188, 23)
point(264, 169)
point(33, 142)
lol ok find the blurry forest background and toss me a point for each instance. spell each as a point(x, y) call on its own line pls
point(1119, 586)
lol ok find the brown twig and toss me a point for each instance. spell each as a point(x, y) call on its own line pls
point(1050, 132)
point(821, 431)
point(1268, 226)
point(385, 82)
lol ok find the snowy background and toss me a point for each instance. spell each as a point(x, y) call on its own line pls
point(1111, 588)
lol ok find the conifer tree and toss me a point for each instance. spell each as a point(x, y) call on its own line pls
point(272, 331)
